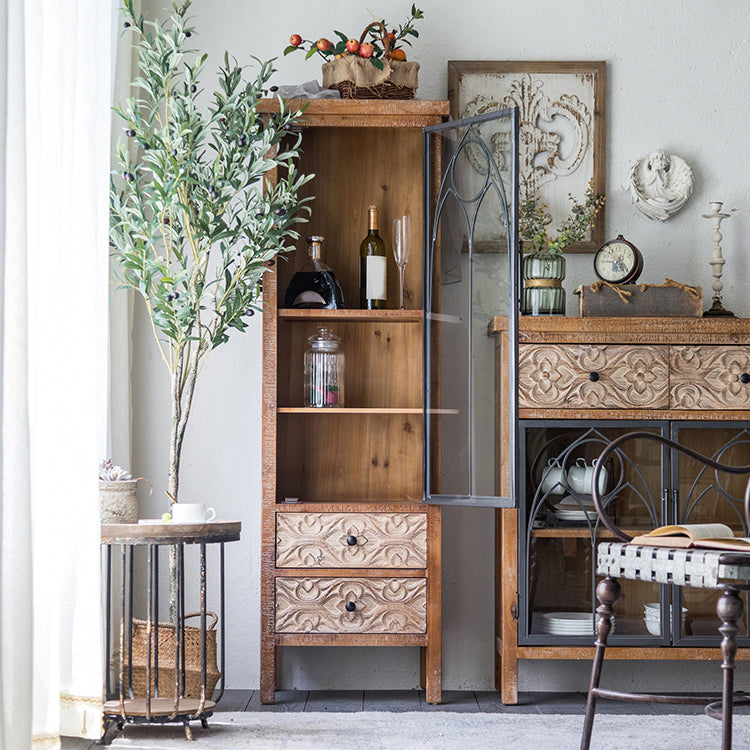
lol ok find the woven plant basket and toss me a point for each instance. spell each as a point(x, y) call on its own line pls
point(355, 77)
point(118, 502)
point(166, 659)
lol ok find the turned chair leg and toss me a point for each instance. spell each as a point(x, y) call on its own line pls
point(608, 594)
point(729, 609)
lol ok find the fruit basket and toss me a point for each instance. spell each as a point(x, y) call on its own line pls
point(354, 77)
point(373, 67)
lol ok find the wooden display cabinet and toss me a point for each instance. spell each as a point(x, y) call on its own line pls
point(357, 561)
point(582, 382)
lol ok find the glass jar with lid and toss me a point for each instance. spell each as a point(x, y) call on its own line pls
point(324, 370)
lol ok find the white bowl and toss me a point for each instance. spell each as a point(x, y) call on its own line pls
point(652, 618)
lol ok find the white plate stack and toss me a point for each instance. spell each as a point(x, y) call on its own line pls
point(569, 509)
point(570, 623)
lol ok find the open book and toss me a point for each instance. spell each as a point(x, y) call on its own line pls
point(712, 535)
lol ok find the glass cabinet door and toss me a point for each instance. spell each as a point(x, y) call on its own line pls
point(702, 495)
point(471, 275)
point(559, 529)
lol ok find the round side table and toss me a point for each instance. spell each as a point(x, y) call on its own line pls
point(186, 656)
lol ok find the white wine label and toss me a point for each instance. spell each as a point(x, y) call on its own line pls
point(375, 274)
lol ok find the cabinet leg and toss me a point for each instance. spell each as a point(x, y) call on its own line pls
point(423, 667)
point(729, 608)
point(506, 673)
point(608, 594)
point(509, 686)
point(433, 672)
point(267, 672)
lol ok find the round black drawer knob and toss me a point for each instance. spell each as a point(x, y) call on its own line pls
point(744, 378)
point(593, 376)
point(350, 606)
point(351, 540)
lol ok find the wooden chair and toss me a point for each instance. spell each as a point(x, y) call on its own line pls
point(727, 572)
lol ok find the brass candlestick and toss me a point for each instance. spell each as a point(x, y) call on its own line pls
point(717, 261)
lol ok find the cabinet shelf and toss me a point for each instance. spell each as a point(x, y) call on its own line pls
point(359, 410)
point(582, 532)
point(369, 316)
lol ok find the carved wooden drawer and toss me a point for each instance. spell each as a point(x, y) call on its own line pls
point(351, 540)
point(591, 376)
point(710, 377)
point(351, 605)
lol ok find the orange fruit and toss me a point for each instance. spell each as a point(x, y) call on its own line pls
point(398, 54)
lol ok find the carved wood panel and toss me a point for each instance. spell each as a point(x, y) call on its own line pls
point(324, 540)
point(380, 605)
point(593, 376)
point(709, 377)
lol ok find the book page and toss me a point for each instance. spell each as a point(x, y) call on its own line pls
point(738, 544)
point(694, 531)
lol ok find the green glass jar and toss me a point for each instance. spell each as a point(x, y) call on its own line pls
point(543, 293)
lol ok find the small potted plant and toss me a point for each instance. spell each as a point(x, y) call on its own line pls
point(118, 502)
point(544, 262)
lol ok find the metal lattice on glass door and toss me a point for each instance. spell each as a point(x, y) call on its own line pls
point(471, 275)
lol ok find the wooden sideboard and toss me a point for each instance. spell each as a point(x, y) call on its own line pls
point(581, 382)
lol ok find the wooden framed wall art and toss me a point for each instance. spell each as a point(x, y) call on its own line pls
point(562, 111)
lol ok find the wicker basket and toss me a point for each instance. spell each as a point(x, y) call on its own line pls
point(355, 77)
point(166, 659)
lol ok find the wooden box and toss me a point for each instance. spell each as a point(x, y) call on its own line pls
point(669, 300)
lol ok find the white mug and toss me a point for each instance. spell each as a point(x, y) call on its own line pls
point(589, 480)
point(577, 477)
point(553, 480)
point(192, 513)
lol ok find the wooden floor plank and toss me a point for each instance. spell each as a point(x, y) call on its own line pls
point(347, 701)
point(397, 701)
point(234, 700)
point(489, 701)
point(458, 701)
point(286, 700)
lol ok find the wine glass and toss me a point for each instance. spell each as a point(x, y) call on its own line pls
point(401, 236)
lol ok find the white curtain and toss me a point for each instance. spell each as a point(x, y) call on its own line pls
point(55, 99)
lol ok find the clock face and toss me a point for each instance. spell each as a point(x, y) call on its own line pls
point(617, 262)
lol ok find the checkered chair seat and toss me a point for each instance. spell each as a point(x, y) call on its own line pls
point(695, 568)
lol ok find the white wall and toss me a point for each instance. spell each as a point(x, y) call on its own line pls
point(676, 79)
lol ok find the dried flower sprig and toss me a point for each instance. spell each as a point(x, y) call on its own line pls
point(534, 221)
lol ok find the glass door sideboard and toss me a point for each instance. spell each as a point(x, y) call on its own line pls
point(580, 383)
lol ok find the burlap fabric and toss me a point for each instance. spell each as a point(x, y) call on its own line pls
point(363, 74)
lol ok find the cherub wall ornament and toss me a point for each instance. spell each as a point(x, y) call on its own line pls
point(660, 184)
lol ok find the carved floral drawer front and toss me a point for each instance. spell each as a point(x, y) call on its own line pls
point(710, 377)
point(351, 605)
point(591, 376)
point(351, 540)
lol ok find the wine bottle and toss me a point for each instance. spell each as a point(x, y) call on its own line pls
point(314, 285)
point(372, 266)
